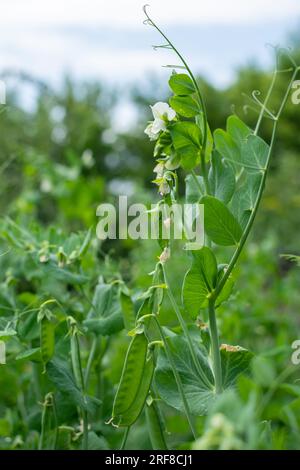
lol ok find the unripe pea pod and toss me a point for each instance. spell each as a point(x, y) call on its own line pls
point(75, 352)
point(135, 382)
point(155, 425)
point(47, 337)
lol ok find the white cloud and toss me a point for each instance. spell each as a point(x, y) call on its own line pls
point(128, 12)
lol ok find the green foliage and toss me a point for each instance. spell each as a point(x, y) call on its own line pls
point(220, 224)
point(69, 302)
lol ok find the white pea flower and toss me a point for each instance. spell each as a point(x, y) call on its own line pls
point(164, 188)
point(165, 255)
point(162, 113)
point(159, 170)
point(150, 133)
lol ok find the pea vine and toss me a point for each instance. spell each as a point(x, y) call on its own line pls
point(226, 172)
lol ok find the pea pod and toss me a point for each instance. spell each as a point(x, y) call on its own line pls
point(49, 430)
point(155, 426)
point(75, 352)
point(135, 382)
point(47, 336)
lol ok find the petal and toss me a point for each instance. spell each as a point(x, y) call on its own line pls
point(149, 131)
point(160, 109)
point(158, 125)
point(171, 114)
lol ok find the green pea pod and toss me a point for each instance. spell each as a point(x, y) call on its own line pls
point(135, 382)
point(48, 435)
point(47, 336)
point(155, 427)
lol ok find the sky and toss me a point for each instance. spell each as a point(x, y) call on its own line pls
point(106, 39)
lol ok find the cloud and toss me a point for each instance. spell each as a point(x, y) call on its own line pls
point(129, 12)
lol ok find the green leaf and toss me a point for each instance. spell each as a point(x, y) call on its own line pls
point(219, 223)
point(209, 138)
point(105, 317)
point(64, 381)
point(194, 191)
point(255, 153)
point(221, 179)
point(97, 442)
point(227, 289)
point(244, 199)
point(227, 148)
point(199, 281)
point(186, 106)
point(238, 130)
point(181, 84)
point(186, 138)
point(241, 147)
point(5, 335)
point(33, 354)
point(196, 391)
point(235, 361)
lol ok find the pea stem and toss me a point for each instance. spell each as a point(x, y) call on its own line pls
point(177, 378)
point(78, 373)
point(90, 362)
point(125, 437)
point(215, 347)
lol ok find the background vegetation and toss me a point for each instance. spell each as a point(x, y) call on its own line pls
point(58, 162)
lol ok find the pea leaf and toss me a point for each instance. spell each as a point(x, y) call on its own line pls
point(221, 179)
point(181, 84)
point(200, 121)
point(219, 223)
point(33, 354)
point(64, 381)
point(227, 289)
point(244, 199)
point(199, 281)
point(255, 153)
point(186, 138)
point(238, 130)
point(227, 148)
point(193, 193)
point(241, 147)
point(186, 106)
point(235, 361)
point(105, 317)
point(197, 393)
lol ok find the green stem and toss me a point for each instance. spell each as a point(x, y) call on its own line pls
point(194, 176)
point(78, 373)
point(184, 329)
point(85, 422)
point(90, 362)
point(198, 92)
point(215, 347)
point(177, 378)
point(125, 437)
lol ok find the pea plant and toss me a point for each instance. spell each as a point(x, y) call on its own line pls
point(226, 171)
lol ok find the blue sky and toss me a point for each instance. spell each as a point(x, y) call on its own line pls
point(106, 40)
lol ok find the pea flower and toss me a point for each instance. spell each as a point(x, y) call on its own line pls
point(162, 113)
point(160, 180)
point(165, 255)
